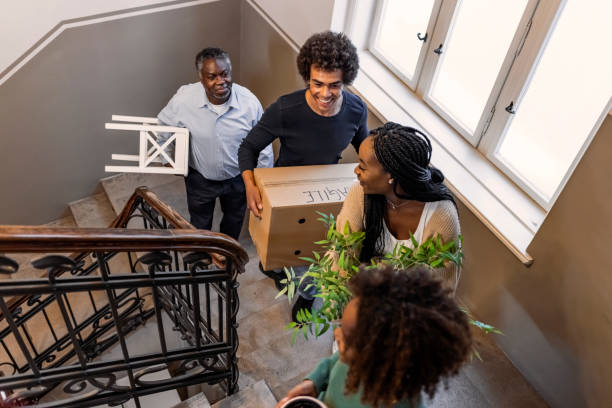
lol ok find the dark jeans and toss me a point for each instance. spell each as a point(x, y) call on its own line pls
point(201, 196)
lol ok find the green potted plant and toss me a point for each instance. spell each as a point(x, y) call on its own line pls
point(331, 285)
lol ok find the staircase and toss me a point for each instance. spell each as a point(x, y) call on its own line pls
point(265, 352)
point(268, 364)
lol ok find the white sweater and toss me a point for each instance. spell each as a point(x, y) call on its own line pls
point(443, 220)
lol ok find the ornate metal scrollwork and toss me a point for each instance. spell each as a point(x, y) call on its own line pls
point(101, 382)
point(155, 260)
point(58, 264)
point(150, 370)
point(12, 366)
point(176, 282)
point(197, 260)
point(7, 265)
point(34, 300)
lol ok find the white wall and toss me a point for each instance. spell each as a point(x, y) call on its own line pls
point(299, 19)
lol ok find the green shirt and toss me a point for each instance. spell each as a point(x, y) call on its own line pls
point(329, 378)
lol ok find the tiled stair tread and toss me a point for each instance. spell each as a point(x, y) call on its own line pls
point(65, 222)
point(257, 395)
point(174, 195)
point(119, 187)
point(93, 212)
point(461, 393)
point(197, 401)
point(266, 352)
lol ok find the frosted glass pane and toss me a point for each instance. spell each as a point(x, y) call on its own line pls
point(397, 40)
point(569, 90)
point(482, 31)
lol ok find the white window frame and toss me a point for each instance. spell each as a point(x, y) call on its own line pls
point(529, 42)
point(518, 79)
point(411, 83)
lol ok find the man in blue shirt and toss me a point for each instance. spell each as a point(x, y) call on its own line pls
point(218, 114)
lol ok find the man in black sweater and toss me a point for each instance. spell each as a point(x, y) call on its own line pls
point(316, 124)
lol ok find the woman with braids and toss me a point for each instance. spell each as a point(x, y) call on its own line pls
point(400, 335)
point(399, 193)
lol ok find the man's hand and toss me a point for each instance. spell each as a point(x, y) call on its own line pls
point(306, 387)
point(253, 197)
point(254, 200)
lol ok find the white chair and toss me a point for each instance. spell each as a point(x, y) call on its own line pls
point(150, 152)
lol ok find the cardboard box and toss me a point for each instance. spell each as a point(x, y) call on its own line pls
point(291, 196)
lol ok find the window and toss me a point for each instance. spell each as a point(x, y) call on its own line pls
point(394, 40)
point(526, 82)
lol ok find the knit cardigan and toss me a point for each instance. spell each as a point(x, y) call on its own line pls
point(443, 221)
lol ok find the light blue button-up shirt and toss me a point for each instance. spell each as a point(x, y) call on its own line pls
point(214, 139)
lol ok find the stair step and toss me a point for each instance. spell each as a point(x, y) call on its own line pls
point(197, 401)
point(119, 187)
point(162, 399)
point(94, 211)
point(174, 195)
point(257, 395)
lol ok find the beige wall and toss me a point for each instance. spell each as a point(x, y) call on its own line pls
point(557, 314)
point(314, 16)
point(53, 146)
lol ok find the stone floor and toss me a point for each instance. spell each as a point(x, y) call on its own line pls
point(265, 352)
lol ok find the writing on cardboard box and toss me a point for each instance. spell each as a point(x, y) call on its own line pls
point(325, 195)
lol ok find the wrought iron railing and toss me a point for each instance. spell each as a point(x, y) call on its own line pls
point(54, 330)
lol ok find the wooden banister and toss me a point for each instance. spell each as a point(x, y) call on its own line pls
point(36, 239)
point(183, 236)
point(174, 218)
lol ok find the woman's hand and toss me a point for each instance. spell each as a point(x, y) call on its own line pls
point(306, 387)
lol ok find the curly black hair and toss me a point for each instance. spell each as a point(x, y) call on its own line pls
point(404, 152)
point(410, 334)
point(329, 51)
point(209, 52)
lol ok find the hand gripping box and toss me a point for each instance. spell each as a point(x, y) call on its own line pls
point(290, 197)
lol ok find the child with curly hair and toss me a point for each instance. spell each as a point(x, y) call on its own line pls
point(400, 335)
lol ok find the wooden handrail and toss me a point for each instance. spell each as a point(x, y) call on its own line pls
point(183, 236)
point(175, 219)
point(22, 238)
point(172, 217)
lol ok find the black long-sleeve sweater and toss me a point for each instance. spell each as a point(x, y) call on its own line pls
point(306, 138)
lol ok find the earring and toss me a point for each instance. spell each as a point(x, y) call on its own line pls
point(390, 181)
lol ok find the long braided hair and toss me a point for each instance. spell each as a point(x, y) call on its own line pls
point(404, 152)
